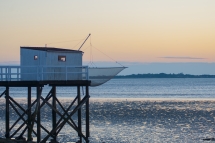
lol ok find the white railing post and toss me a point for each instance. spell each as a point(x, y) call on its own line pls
point(37, 73)
point(7, 73)
point(10, 73)
point(17, 73)
point(42, 73)
point(8, 79)
point(66, 72)
point(1, 74)
point(87, 72)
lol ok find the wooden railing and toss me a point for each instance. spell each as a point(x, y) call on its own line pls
point(40, 73)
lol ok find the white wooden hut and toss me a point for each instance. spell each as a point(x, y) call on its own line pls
point(47, 63)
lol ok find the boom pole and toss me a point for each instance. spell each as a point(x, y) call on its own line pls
point(84, 41)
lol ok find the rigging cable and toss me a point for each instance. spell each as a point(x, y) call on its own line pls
point(91, 55)
point(89, 63)
point(77, 44)
point(108, 56)
point(63, 41)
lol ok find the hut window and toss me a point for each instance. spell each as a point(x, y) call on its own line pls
point(62, 58)
point(35, 57)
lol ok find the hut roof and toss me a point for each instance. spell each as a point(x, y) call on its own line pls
point(51, 49)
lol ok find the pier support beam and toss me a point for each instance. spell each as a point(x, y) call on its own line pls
point(37, 111)
point(87, 116)
point(7, 114)
point(79, 113)
point(29, 115)
point(54, 119)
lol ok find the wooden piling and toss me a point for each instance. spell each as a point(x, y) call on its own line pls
point(7, 114)
point(87, 116)
point(38, 115)
point(54, 119)
point(79, 113)
point(30, 116)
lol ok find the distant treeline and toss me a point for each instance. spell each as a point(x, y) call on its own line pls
point(164, 75)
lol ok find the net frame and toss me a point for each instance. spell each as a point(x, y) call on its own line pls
point(101, 75)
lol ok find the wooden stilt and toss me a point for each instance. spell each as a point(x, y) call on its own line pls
point(7, 114)
point(3, 93)
point(29, 115)
point(38, 115)
point(53, 111)
point(79, 113)
point(87, 116)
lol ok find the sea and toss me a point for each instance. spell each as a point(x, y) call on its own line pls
point(135, 88)
point(136, 110)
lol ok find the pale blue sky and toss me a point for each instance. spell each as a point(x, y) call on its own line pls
point(144, 68)
point(144, 31)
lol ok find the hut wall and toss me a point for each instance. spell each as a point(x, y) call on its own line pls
point(58, 73)
point(29, 65)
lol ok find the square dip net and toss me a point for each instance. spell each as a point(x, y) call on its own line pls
point(101, 75)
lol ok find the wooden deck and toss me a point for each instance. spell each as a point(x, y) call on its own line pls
point(45, 82)
point(14, 141)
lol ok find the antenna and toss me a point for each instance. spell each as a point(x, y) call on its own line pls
point(84, 41)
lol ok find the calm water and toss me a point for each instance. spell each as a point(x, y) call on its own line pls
point(139, 121)
point(138, 88)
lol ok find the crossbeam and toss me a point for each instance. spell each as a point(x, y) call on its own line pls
point(71, 123)
point(2, 93)
point(29, 118)
point(66, 119)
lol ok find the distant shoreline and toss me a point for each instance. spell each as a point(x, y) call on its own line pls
point(164, 75)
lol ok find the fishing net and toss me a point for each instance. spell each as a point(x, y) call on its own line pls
point(99, 76)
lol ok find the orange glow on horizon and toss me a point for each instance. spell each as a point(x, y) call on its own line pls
point(144, 31)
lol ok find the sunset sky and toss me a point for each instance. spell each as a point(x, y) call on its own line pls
point(145, 31)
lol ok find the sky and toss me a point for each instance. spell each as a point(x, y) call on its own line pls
point(177, 32)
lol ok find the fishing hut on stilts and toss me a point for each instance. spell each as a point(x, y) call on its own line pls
point(53, 67)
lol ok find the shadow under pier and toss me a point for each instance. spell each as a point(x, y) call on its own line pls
point(29, 122)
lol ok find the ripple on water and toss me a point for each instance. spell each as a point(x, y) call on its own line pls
point(123, 121)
